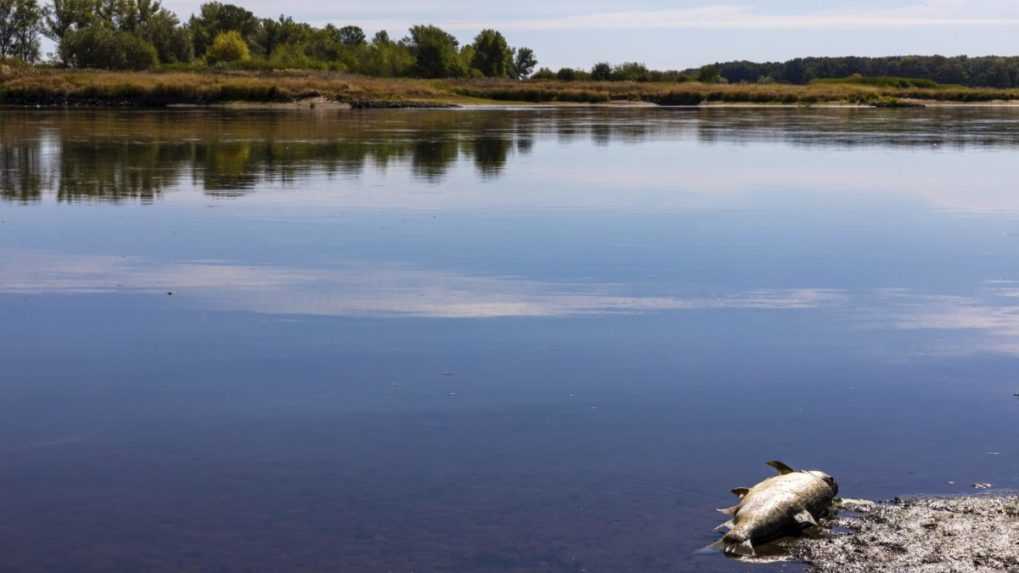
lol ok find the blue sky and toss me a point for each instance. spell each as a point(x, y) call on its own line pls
point(685, 33)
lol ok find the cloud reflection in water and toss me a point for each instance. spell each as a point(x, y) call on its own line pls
point(365, 290)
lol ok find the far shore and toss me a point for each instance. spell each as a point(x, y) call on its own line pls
point(296, 90)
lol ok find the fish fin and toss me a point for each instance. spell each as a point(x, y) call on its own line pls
point(805, 519)
point(728, 510)
point(727, 526)
point(716, 547)
point(781, 468)
point(742, 549)
point(740, 492)
point(850, 502)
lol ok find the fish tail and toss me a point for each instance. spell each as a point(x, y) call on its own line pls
point(733, 545)
point(716, 547)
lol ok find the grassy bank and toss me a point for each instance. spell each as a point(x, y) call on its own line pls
point(694, 93)
point(155, 89)
point(50, 87)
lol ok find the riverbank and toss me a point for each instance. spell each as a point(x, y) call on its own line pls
point(927, 535)
point(56, 88)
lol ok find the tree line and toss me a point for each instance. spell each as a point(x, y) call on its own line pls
point(985, 71)
point(141, 34)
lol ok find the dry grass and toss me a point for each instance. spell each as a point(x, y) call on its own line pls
point(63, 87)
point(153, 89)
point(694, 93)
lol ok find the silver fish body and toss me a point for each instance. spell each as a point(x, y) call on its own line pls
point(787, 503)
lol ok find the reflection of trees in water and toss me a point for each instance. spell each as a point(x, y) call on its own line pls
point(21, 172)
point(95, 158)
point(118, 170)
point(117, 156)
point(431, 156)
point(490, 154)
point(856, 127)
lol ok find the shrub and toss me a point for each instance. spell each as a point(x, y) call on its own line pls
point(601, 72)
point(709, 75)
point(544, 74)
point(631, 72)
point(291, 56)
point(101, 47)
point(566, 74)
point(228, 47)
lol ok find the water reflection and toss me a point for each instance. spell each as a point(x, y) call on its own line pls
point(105, 157)
point(365, 289)
point(413, 346)
point(99, 156)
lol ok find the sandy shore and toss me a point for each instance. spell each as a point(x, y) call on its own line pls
point(324, 104)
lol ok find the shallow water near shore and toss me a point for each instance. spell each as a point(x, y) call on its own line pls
point(490, 340)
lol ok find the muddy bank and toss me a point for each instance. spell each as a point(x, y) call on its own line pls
point(922, 535)
point(401, 104)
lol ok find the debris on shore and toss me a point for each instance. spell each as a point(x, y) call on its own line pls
point(973, 534)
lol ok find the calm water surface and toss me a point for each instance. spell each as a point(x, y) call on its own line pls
point(492, 341)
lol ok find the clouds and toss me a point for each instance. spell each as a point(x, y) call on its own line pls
point(575, 15)
point(745, 17)
point(364, 289)
point(585, 15)
point(986, 320)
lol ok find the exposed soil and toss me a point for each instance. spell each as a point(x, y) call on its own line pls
point(920, 535)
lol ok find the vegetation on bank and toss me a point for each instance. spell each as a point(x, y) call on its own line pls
point(142, 35)
point(226, 53)
point(984, 71)
point(696, 93)
point(54, 87)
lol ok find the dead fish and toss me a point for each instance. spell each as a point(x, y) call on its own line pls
point(787, 503)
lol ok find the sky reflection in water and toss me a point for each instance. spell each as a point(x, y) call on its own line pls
point(489, 341)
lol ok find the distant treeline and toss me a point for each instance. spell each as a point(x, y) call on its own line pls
point(987, 71)
point(141, 34)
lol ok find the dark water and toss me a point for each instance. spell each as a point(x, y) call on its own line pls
point(489, 341)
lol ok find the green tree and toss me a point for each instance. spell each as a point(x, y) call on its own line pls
point(387, 58)
point(291, 56)
point(544, 74)
point(435, 52)
point(129, 15)
point(524, 63)
point(492, 55)
point(631, 72)
point(63, 16)
point(275, 33)
point(228, 47)
point(20, 24)
point(709, 75)
point(352, 36)
point(99, 46)
point(566, 74)
point(215, 18)
point(601, 72)
point(171, 40)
